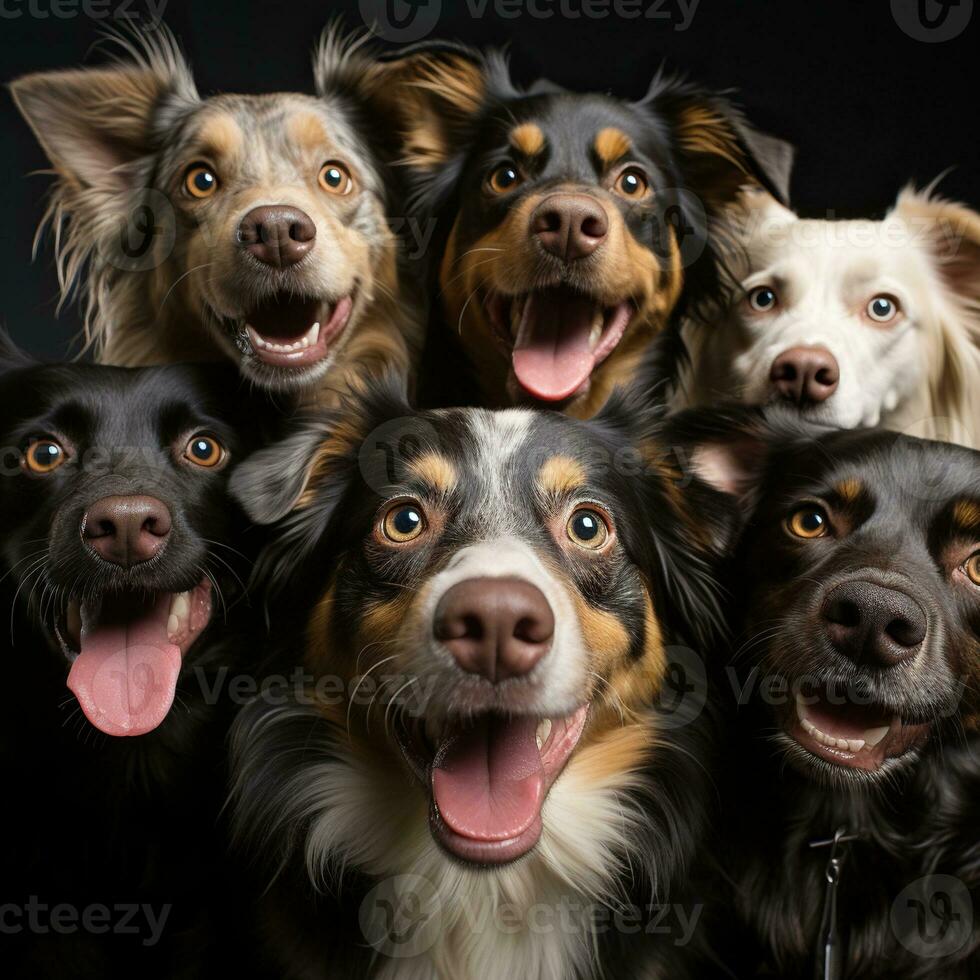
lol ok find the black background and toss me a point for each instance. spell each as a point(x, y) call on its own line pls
point(868, 106)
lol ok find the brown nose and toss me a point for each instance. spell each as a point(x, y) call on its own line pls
point(570, 226)
point(127, 530)
point(277, 234)
point(872, 624)
point(495, 627)
point(805, 375)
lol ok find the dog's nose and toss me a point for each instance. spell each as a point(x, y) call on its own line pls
point(870, 623)
point(805, 375)
point(277, 234)
point(127, 530)
point(495, 627)
point(570, 226)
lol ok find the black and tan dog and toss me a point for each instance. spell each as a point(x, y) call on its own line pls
point(570, 227)
point(857, 590)
point(121, 555)
point(252, 227)
point(484, 602)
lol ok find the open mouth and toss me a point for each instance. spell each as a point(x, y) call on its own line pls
point(851, 735)
point(126, 651)
point(488, 778)
point(291, 331)
point(556, 337)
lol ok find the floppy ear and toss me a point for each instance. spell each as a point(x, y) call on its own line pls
point(720, 150)
point(95, 123)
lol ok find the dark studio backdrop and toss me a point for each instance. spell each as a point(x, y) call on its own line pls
point(873, 94)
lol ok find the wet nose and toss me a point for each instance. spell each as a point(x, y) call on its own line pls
point(870, 623)
point(569, 226)
point(805, 375)
point(127, 530)
point(277, 234)
point(495, 627)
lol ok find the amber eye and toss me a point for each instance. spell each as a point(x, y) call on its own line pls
point(504, 178)
point(972, 568)
point(335, 178)
point(44, 456)
point(632, 182)
point(205, 451)
point(403, 522)
point(809, 522)
point(588, 528)
point(762, 299)
point(882, 309)
point(200, 180)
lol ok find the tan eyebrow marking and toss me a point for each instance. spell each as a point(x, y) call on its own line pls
point(528, 139)
point(437, 471)
point(612, 144)
point(307, 130)
point(850, 491)
point(966, 515)
point(221, 135)
point(561, 474)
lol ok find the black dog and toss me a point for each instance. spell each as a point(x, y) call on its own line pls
point(857, 598)
point(120, 557)
point(571, 228)
point(487, 605)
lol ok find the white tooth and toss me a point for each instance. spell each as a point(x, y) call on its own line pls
point(314, 333)
point(181, 605)
point(544, 730)
point(304, 343)
point(842, 744)
point(855, 744)
point(173, 625)
point(874, 735)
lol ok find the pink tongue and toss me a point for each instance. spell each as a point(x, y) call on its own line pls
point(487, 781)
point(126, 674)
point(553, 356)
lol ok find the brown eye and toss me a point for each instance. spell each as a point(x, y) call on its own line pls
point(809, 522)
point(200, 181)
point(632, 182)
point(972, 568)
point(44, 456)
point(403, 522)
point(204, 451)
point(335, 178)
point(588, 529)
point(504, 178)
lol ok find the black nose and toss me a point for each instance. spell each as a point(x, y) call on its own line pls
point(569, 226)
point(127, 530)
point(277, 234)
point(805, 375)
point(870, 623)
point(495, 627)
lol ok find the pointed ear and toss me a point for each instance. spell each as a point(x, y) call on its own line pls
point(720, 150)
point(95, 123)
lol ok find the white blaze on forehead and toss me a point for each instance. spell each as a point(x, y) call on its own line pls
point(498, 440)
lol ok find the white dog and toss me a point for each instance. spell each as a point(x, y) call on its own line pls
point(859, 323)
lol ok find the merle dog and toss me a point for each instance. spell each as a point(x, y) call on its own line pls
point(120, 555)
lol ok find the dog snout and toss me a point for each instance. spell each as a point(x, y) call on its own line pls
point(805, 375)
point(495, 627)
point(127, 530)
point(277, 235)
point(870, 623)
point(569, 226)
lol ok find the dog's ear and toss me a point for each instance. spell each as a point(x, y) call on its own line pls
point(720, 150)
point(96, 123)
point(11, 356)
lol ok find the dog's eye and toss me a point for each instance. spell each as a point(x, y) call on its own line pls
point(200, 181)
point(504, 178)
point(404, 522)
point(44, 456)
point(972, 568)
point(809, 522)
point(763, 299)
point(632, 182)
point(335, 178)
point(882, 309)
point(204, 451)
point(588, 528)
